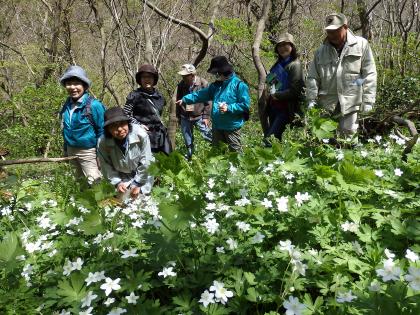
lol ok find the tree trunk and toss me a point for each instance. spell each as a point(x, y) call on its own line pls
point(259, 65)
point(364, 19)
point(148, 49)
point(52, 50)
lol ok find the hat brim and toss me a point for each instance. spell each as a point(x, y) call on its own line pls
point(284, 41)
point(333, 27)
point(226, 68)
point(116, 119)
point(183, 72)
point(68, 76)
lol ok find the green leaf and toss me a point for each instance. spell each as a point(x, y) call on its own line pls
point(324, 128)
point(295, 165)
point(184, 301)
point(72, 291)
point(398, 227)
point(178, 215)
point(324, 171)
point(92, 224)
point(9, 249)
point(355, 175)
point(251, 294)
point(250, 277)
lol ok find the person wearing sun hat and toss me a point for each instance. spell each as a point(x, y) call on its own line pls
point(342, 77)
point(231, 102)
point(82, 120)
point(125, 154)
point(190, 116)
point(285, 87)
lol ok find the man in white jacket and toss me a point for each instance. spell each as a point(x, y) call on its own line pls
point(342, 76)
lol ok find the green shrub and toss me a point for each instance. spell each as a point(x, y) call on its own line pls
point(38, 109)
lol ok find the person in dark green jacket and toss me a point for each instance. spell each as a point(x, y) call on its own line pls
point(285, 88)
point(231, 102)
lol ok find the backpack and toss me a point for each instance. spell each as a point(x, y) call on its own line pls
point(246, 113)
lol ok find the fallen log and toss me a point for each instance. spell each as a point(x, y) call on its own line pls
point(37, 160)
point(411, 129)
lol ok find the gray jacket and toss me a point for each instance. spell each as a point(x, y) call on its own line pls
point(348, 79)
point(131, 166)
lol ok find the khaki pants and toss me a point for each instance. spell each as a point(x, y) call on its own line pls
point(86, 163)
point(347, 124)
point(231, 138)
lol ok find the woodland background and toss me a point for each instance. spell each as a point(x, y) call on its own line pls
point(111, 39)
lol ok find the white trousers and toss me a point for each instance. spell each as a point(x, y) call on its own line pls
point(348, 124)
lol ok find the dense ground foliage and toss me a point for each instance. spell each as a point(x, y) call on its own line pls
point(301, 227)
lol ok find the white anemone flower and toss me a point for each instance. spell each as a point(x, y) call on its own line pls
point(132, 298)
point(293, 306)
point(87, 300)
point(243, 226)
point(282, 204)
point(411, 256)
point(110, 285)
point(413, 278)
point(286, 246)
point(232, 243)
point(267, 203)
point(345, 297)
point(129, 253)
point(398, 172)
point(211, 225)
point(257, 238)
point(220, 293)
point(300, 198)
point(87, 311)
point(390, 271)
point(167, 272)
point(117, 311)
point(206, 298)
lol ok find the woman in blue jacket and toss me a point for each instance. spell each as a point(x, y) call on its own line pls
point(231, 102)
point(82, 120)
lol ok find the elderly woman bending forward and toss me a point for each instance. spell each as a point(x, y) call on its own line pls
point(125, 154)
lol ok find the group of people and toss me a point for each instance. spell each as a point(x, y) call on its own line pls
point(119, 142)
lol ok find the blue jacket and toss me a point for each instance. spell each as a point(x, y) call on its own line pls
point(79, 132)
point(232, 91)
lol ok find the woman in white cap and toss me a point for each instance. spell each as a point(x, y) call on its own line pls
point(285, 83)
point(125, 154)
point(82, 118)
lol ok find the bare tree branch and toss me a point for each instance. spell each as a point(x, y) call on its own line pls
point(37, 160)
point(47, 5)
point(20, 54)
point(203, 37)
